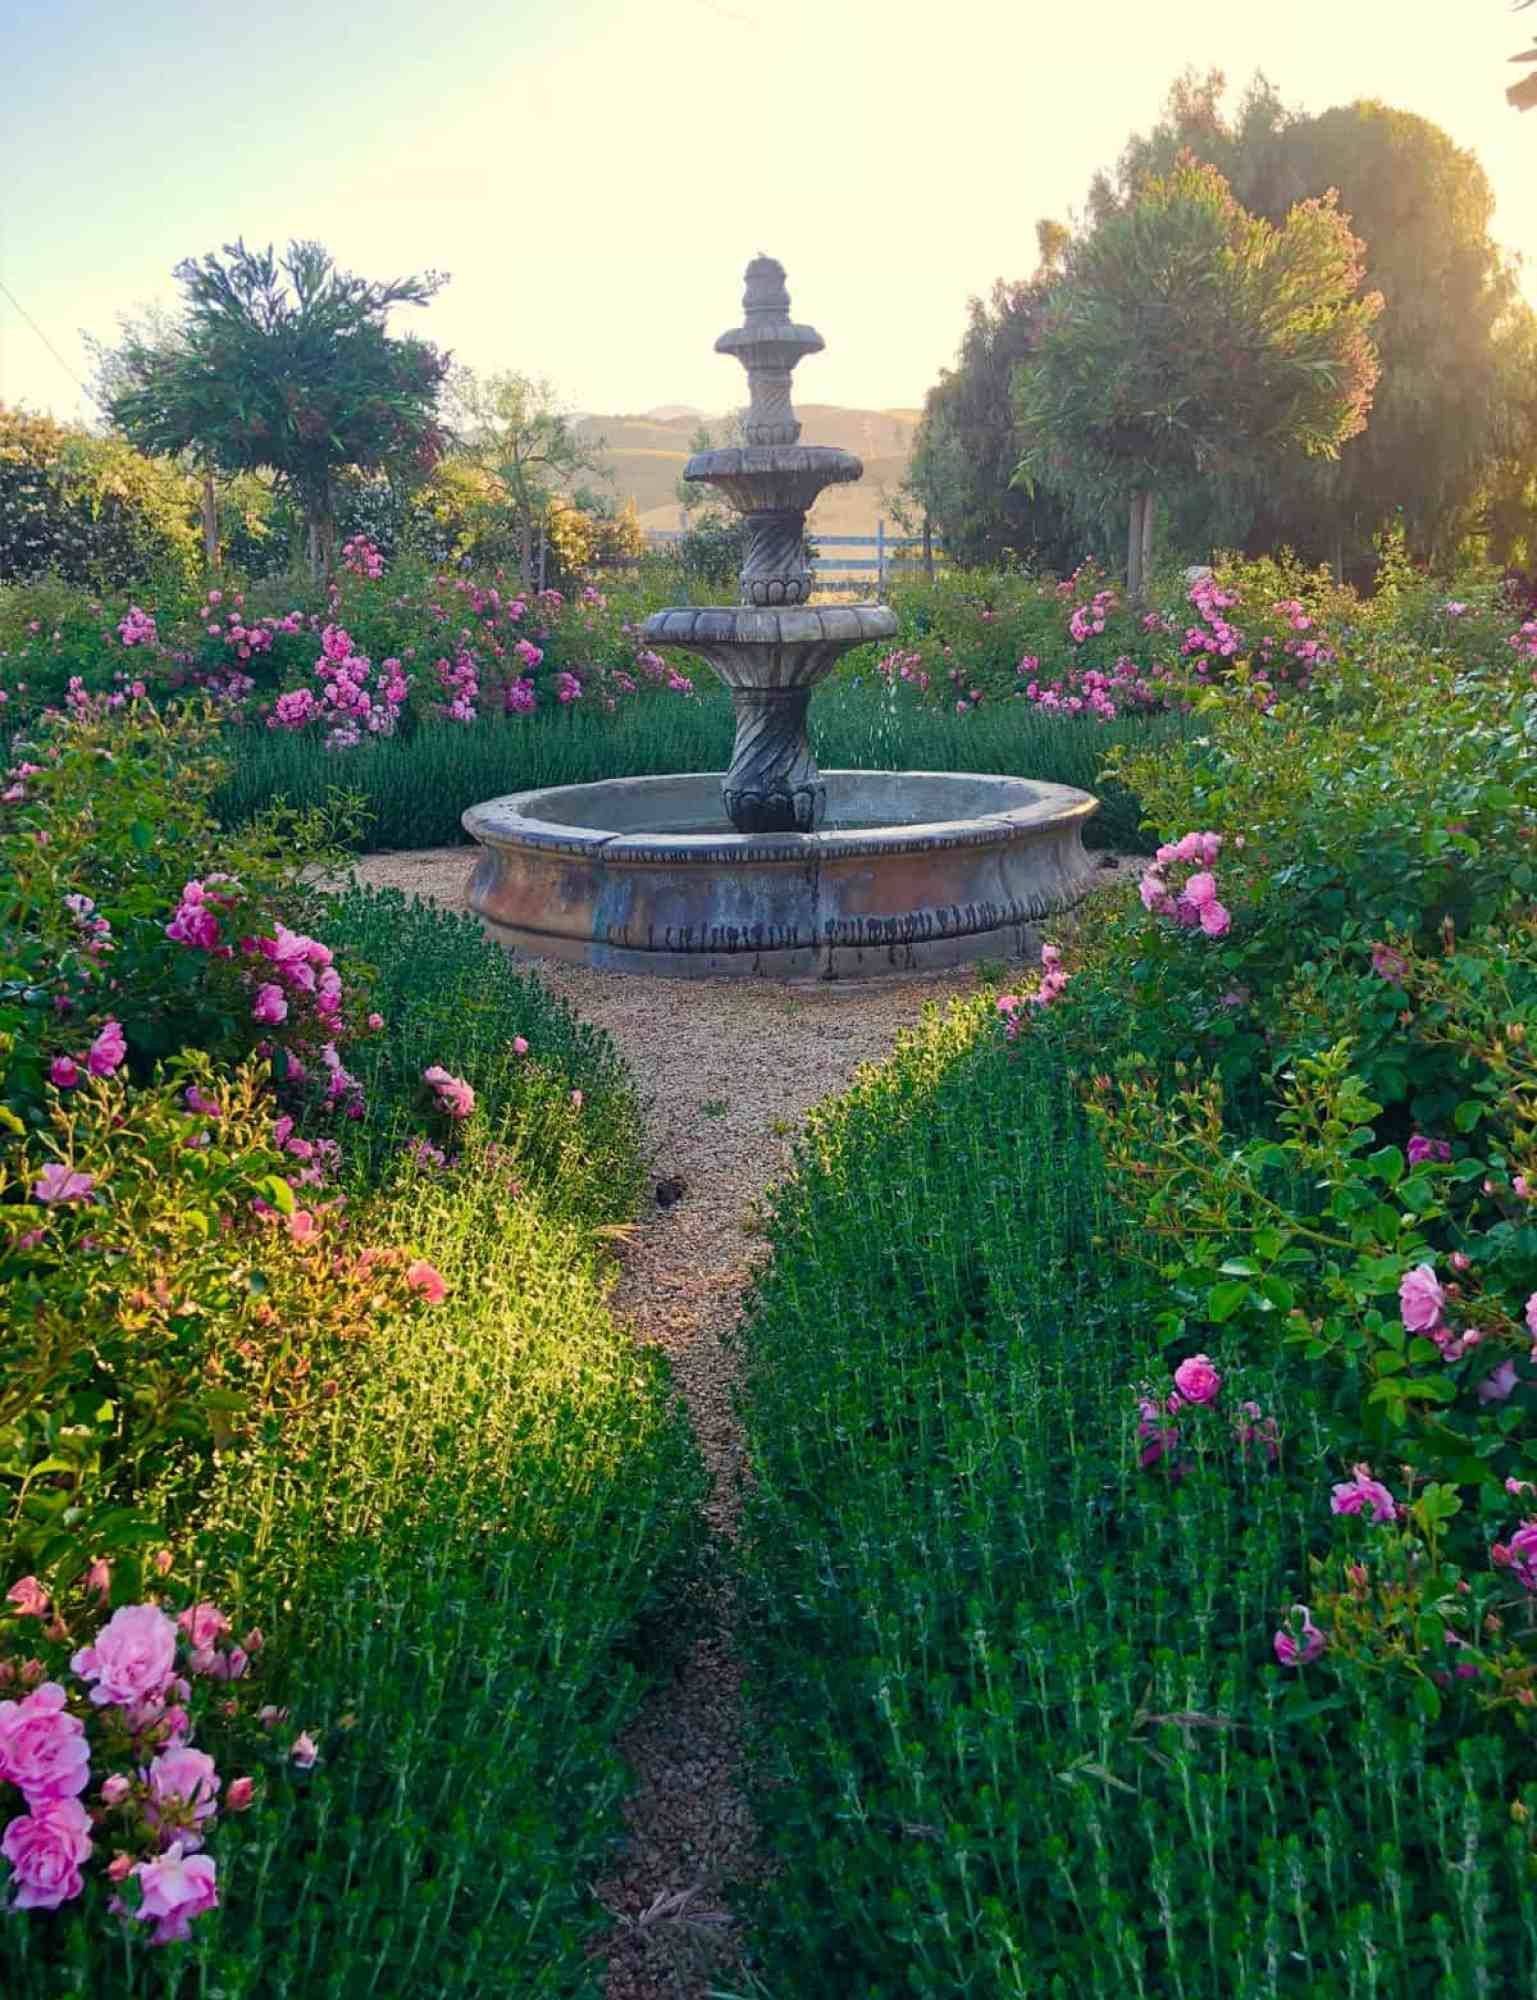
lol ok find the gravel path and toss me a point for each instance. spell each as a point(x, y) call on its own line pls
point(732, 1068)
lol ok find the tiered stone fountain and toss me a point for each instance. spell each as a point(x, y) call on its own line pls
point(778, 869)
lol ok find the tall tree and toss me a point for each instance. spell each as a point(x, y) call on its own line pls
point(1187, 337)
point(513, 428)
point(1443, 412)
point(285, 365)
point(967, 445)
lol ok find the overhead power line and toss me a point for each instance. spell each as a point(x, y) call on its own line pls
point(16, 302)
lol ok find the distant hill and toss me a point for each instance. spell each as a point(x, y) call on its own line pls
point(645, 456)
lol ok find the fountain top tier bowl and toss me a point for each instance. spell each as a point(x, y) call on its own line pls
point(910, 870)
point(778, 868)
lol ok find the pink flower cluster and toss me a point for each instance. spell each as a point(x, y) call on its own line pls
point(520, 698)
point(1422, 1303)
point(1519, 1554)
point(137, 628)
point(906, 666)
point(1216, 636)
point(460, 681)
point(1195, 904)
point(1523, 641)
point(361, 557)
point(345, 700)
point(157, 1820)
point(1051, 986)
point(567, 687)
point(1088, 620)
point(197, 916)
point(1090, 691)
point(451, 1094)
point(103, 1058)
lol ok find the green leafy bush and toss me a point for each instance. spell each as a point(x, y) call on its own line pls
point(332, 1348)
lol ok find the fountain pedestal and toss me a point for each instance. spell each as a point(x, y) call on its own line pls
point(772, 662)
point(778, 870)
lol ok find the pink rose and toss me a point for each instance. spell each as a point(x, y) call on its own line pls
point(29, 1598)
point(203, 1624)
point(64, 1073)
point(107, 1051)
point(1531, 1314)
point(1201, 889)
point(428, 1280)
point(1197, 1379)
point(1519, 1555)
point(43, 1751)
point(453, 1094)
point(269, 1007)
point(1362, 1491)
point(520, 1045)
point(303, 1750)
point(133, 1657)
point(183, 1788)
point(115, 1789)
point(238, 1797)
point(58, 1182)
point(45, 1851)
point(1421, 1299)
point(1496, 1387)
point(1287, 1649)
point(1215, 920)
point(174, 1889)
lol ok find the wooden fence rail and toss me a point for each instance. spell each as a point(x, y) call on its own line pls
point(885, 555)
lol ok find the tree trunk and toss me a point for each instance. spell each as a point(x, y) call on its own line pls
point(525, 548)
point(1136, 546)
point(1149, 513)
point(210, 524)
point(323, 537)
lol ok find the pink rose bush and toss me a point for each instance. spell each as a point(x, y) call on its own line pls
point(1194, 903)
point(106, 1772)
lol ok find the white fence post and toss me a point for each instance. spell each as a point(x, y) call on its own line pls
point(880, 558)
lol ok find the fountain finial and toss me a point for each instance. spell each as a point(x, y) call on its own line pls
point(769, 344)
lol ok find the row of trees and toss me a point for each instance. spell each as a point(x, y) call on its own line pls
point(1289, 328)
point(284, 370)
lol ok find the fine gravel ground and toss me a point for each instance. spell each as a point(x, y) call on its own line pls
point(731, 1068)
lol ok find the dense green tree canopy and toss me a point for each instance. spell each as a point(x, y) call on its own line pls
point(961, 473)
point(1450, 407)
point(285, 365)
point(1187, 340)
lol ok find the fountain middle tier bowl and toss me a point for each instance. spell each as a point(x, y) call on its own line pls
point(911, 869)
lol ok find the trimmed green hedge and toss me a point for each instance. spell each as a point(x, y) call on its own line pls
point(414, 788)
point(1017, 1726)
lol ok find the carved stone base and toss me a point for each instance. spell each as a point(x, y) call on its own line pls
point(772, 785)
point(800, 811)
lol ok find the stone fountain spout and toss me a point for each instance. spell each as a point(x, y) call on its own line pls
point(773, 650)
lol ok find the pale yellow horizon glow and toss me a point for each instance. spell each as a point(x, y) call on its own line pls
point(595, 178)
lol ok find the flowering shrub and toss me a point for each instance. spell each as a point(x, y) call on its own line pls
point(388, 647)
point(118, 1722)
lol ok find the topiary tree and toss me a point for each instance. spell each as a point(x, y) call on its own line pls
point(1187, 338)
point(285, 365)
point(1449, 410)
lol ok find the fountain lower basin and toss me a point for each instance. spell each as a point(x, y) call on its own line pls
point(911, 869)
